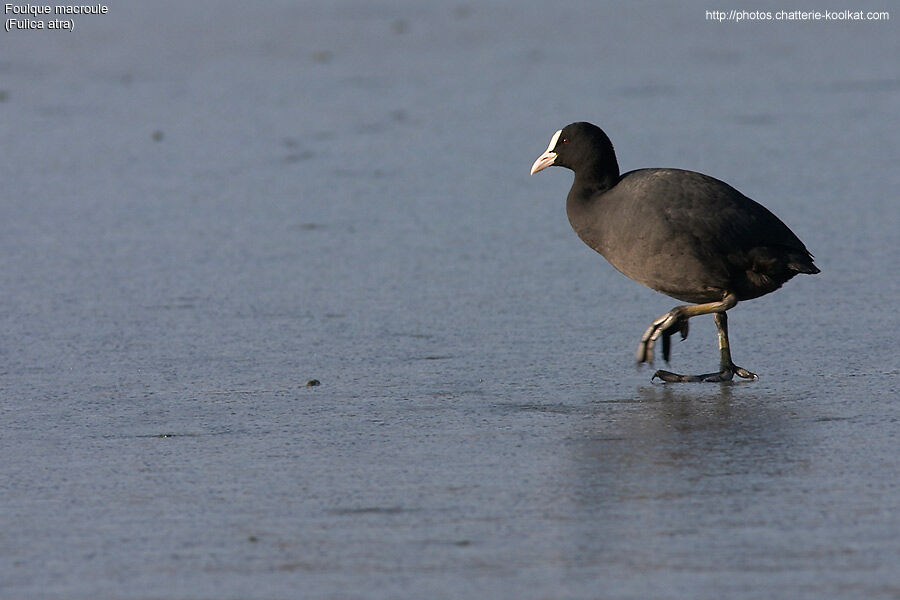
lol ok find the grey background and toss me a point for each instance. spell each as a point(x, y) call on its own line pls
point(206, 204)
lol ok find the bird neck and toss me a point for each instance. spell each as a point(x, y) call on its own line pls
point(589, 182)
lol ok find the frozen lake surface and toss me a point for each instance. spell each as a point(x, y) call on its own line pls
point(207, 204)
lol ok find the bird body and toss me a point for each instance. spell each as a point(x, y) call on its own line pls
point(687, 235)
point(682, 233)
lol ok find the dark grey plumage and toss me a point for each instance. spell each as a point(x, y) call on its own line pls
point(682, 233)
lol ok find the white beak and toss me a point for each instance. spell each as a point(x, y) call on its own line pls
point(546, 159)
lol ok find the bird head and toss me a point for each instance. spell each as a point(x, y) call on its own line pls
point(578, 146)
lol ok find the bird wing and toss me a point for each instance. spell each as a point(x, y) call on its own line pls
point(724, 230)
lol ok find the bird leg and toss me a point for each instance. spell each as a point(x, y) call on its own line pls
point(676, 321)
point(727, 368)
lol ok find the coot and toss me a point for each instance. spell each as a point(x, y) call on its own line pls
point(681, 233)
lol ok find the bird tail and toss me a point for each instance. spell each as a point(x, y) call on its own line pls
point(802, 262)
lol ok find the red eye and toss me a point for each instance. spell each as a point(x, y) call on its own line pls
point(565, 140)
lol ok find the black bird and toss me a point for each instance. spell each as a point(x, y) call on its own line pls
point(681, 233)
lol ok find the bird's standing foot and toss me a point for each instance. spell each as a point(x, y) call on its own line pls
point(674, 321)
point(726, 374)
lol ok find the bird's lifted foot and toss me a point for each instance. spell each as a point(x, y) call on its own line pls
point(726, 374)
point(674, 321)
